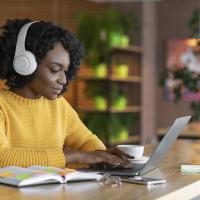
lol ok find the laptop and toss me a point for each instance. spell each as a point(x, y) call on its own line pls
point(157, 156)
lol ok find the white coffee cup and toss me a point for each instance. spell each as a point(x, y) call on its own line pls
point(133, 150)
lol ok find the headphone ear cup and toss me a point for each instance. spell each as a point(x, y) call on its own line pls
point(25, 64)
point(24, 61)
point(32, 62)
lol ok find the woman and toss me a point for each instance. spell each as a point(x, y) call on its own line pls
point(37, 125)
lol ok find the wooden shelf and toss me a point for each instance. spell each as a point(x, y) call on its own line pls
point(190, 132)
point(135, 139)
point(113, 1)
point(129, 109)
point(129, 79)
point(131, 87)
point(130, 49)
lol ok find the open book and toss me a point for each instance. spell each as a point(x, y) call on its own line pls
point(35, 175)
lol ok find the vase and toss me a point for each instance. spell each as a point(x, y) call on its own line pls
point(124, 41)
point(100, 71)
point(120, 136)
point(122, 71)
point(115, 39)
point(100, 103)
point(120, 103)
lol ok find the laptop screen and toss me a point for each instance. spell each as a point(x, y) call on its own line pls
point(165, 144)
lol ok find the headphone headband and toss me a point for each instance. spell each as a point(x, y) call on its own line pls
point(20, 45)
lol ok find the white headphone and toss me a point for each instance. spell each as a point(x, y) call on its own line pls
point(24, 61)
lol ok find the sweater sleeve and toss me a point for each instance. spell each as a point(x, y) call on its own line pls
point(24, 157)
point(79, 136)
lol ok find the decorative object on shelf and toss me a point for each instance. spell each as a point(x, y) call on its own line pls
point(118, 98)
point(100, 102)
point(119, 40)
point(120, 103)
point(100, 71)
point(101, 97)
point(125, 41)
point(98, 93)
point(122, 70)
point(113, 129)
point(181, 80)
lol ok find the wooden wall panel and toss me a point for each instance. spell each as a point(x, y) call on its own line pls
point(69, 9)
point(34, 9)
point(60, 11)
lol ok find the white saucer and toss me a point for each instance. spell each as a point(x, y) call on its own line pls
point(141, 160)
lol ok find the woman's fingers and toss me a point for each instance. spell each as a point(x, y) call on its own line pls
point(103, 157)
point(113, 159)
point(119, 153)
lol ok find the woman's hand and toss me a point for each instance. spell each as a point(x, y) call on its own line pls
point(115, 151)
point(111, 156)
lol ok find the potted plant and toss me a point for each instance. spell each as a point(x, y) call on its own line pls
point(100, 70)
point(194, 24)
point(118, 99)
point(99, 33)
point(98, 93)
point(110, 129)
point(122, 70)
point(98, 124)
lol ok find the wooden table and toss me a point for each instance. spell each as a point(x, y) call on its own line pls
point(183, 151)
point(192, 131)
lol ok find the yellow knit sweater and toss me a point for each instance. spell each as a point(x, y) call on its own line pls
point(33, 132)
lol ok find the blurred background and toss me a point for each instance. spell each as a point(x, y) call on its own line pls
point(142, 64)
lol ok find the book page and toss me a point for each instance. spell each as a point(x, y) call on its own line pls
point(54, 170)
point(69, 174)
point(19, 176)
point(82, 176)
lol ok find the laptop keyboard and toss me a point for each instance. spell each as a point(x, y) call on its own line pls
point(118, 171)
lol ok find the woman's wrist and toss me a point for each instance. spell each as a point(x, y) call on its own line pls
point(72, 156)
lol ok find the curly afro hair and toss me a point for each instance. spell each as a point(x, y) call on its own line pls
point(41, 37)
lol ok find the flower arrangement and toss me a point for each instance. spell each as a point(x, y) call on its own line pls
point(181, 80)
point(182, 77)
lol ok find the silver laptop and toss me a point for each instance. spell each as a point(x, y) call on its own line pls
point(159, 153)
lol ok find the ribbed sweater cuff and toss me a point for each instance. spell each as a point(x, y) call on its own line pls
point(55, 157)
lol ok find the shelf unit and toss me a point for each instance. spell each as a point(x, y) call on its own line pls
point(131, 85)
point(132, 79)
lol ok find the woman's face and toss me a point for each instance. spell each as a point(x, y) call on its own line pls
point(50, 75)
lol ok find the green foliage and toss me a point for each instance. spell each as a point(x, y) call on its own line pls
point(194, 23)
point(105, 125)
point(195, 106)
point(116, 91)
point(95, 32)
point(188, 78)
point(96, 88)
point(98, 124)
